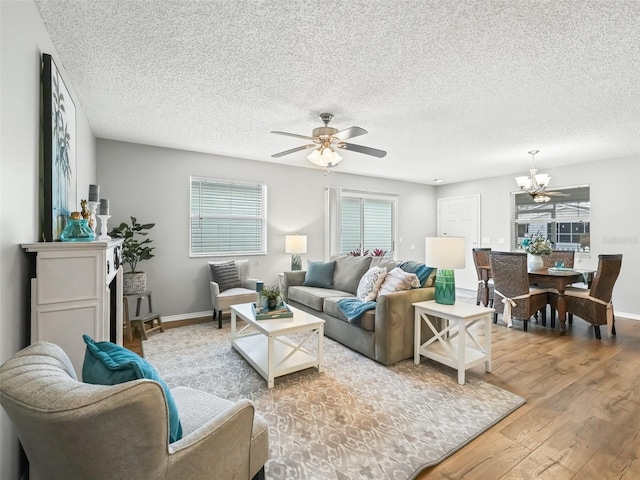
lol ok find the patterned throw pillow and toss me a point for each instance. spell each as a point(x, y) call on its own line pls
point(370, 284)
point(398, 280)
point(226, 275)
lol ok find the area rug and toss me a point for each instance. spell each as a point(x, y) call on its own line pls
point(356, 420)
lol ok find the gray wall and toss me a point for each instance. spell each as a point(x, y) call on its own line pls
point(152, 184)
point(22, 42)
point(615, 210)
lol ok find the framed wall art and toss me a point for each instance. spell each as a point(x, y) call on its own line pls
point(59, 184)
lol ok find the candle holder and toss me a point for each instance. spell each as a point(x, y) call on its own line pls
point(93, 206)
point(103, 227)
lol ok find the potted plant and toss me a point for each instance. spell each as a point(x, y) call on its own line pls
point(134, 251)
point(272, 294)
point(536, 246)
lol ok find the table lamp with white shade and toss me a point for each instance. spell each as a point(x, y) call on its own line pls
point(295, 244)
point(445, 254)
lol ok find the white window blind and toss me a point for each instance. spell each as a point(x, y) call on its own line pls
point(227, 218)
point(367, 224)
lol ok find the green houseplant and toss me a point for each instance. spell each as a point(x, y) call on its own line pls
point(134, 251)
point(272, 294)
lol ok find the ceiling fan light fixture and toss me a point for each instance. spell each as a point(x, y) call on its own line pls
point(541, 198)
point(523, 182)
point(543, 179)
point(324, 157)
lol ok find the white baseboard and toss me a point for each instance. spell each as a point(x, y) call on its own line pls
point(187, 316)
point(630, 316)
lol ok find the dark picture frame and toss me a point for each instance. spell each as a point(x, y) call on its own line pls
point(59, 176)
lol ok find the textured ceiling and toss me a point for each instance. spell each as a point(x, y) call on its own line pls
point(451, 89)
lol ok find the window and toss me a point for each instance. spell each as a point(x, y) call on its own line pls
point(364, 223)
point(564, 220)
point(227, 218)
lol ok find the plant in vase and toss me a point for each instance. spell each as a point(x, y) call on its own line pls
point(272, 295)
point(134, 251)
point(536, 246)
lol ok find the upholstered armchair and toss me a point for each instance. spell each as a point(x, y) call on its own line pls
point(72, 430)
point(230, 285)
point(513, 296)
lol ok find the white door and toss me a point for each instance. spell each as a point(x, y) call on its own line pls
point(460, 217)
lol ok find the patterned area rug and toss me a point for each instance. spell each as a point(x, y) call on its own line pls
point(356, 420)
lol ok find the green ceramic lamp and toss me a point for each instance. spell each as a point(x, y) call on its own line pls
point(445, 254)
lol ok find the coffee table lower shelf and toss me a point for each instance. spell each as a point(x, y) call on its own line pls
point(286, 358)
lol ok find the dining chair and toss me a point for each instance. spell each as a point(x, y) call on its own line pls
point(564, 256)
point(594, 305)
point(515, 298)
point(481, 258)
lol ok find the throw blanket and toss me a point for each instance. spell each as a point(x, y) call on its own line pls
point(354, 308)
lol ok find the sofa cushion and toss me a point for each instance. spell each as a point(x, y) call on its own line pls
point(319, 274)
point(398, 280)
point(383, 262)
point(226, 275)
point(313, 297)
point(348, 272)
point(106, 363)
point(370, 284)
point(366, 322)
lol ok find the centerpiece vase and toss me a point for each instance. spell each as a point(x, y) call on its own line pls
point(534, 262)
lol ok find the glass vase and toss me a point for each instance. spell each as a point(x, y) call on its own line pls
point(77, 230)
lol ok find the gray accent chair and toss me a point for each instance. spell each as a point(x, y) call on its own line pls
point(222, 301)
point(73, 430)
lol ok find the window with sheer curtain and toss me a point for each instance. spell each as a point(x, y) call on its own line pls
point(361, 223)
point(564, 220)
point(227, 218)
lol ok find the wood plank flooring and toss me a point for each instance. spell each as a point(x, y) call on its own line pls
point(581, 416)
point(581, 419)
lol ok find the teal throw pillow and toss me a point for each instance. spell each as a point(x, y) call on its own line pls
point(106, 363)
point(319, 274)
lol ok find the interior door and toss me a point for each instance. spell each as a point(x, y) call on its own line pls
point(460, 217)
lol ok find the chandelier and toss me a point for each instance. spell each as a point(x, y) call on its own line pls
point(536, 183)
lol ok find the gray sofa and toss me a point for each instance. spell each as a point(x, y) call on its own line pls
point(384, 334)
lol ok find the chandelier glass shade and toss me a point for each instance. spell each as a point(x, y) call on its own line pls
point(324, 156)
point(535, 183)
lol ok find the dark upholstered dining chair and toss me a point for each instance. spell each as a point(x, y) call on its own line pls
point(564, 256)
point(594, 305)
point(513, 296)
point(481, 258)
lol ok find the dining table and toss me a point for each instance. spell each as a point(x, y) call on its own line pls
point(558, 278)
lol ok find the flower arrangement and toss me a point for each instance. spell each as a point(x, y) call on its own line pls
point(537, 245)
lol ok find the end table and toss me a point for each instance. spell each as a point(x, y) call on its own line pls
point(454, 345)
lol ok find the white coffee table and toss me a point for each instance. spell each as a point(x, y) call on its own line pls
point(265, 345)
point(454, 345)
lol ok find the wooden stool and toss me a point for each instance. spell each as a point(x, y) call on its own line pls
point(140, 320)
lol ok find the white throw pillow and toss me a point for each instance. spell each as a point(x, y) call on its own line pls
point(370, 284)
point(398, 280)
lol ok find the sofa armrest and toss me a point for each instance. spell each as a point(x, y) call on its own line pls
point(394, 323)
point(292, 279)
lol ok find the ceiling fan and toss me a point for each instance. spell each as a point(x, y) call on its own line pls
point(536, 183)
point(325, 142)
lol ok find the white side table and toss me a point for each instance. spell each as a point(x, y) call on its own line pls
point(454, 345)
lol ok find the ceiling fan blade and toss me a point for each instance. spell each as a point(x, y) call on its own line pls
point(297, 149)
point(557, 194)
point(306, 137)
point(361, 149)
point(350, 133)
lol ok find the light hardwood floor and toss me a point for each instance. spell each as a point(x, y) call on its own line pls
point(581, 419)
